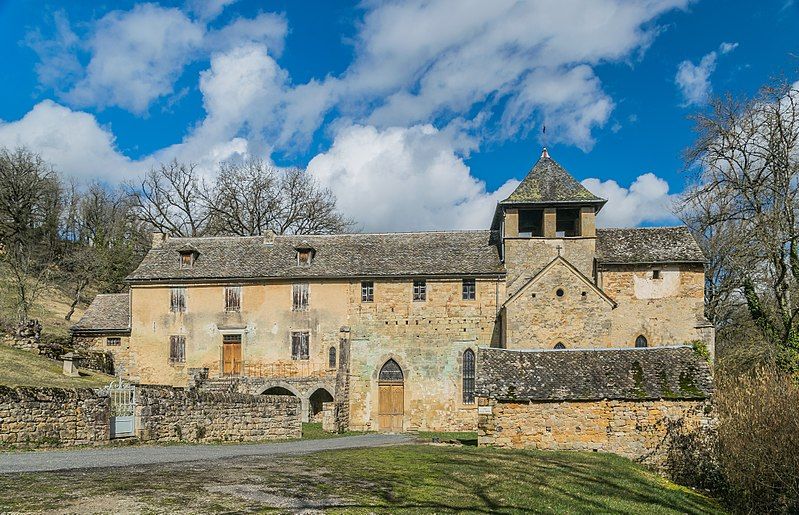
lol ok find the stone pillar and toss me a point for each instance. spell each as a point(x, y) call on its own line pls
point(511, 223)
point(70, 365)
point(550, 222)
point(587, 222)
point(342, 394)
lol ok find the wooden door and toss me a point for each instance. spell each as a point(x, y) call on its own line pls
point(391, 406)
point(231, 355)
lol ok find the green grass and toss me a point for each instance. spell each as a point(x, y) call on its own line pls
point(401, 479)
point(313, 431)
point(23, 368)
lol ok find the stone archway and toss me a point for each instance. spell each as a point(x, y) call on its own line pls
point(315, 403)
point(391, 397)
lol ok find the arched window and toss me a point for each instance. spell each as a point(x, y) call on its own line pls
point(641, 341)
point(391, 372)
point(468, 376)
point(331, 357)
point(559, 346)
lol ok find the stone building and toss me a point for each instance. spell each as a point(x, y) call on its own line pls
point(389, 325)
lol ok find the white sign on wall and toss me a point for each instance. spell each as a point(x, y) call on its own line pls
point(483, 410)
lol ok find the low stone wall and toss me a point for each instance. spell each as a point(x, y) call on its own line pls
point(55, 417)
point(635, 429)
point(167, 414)
point(37, 417)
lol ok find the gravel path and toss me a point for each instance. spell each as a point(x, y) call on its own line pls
point(38, 461)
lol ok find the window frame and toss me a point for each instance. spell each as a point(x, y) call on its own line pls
point(232, 292)
point(296, 349)
point(468, 375)
point(305, 256)
point(118, 340)
point(641, 339)
point(300, 301)
point(367, 291)
point(419, 290)
point(177, 349)
point(177, 293)
point(184, 262)
point(469, 289)
point(332, 357)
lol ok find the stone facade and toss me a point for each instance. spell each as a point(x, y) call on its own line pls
point(171, 415)
point(631, 428)
point(37, 417)
point(543, 275)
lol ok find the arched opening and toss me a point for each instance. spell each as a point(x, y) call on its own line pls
point(468, 376)
point(278, 390)
point(316, 400)
point(559, 346)
point(331, 357)
point(641, 341)
point(391, 397)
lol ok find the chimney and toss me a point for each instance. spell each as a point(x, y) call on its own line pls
point(269, 237)
point(158, 239)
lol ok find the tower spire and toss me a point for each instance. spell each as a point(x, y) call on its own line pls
point(544, 153)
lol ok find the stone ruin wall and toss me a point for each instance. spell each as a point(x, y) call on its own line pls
point(636, 429)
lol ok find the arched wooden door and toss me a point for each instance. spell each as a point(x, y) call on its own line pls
point(391, 402)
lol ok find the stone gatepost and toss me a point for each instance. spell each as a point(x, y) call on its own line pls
point(71, 364)
point(341, 412)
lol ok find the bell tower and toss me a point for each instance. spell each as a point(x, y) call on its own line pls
point(547, 215)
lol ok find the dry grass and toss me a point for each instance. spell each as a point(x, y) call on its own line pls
point(22, 368)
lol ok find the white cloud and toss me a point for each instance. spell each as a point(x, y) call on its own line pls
point(208, 9)
point(646, 201)
point(137, 56)
point(693, 80)
point(404, 179)
point(70, 140)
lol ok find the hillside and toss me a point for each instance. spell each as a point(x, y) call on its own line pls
point(23, 368)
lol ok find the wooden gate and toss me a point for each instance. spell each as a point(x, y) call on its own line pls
point(231, 354)
point(123, 409)
point(391, 397)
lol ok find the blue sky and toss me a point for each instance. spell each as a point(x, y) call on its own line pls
point(418, 114)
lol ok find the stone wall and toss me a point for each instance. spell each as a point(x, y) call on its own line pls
point(170, 414)
point(634, 429)
point(36, 417)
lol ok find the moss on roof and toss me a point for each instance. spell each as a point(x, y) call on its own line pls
point(549, 182)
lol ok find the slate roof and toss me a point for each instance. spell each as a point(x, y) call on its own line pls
point(107, 312)
point(548, 182)
point(341, 255)
point(581, 375)
point(648, 245)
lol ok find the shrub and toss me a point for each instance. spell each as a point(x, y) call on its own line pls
point(758, 440)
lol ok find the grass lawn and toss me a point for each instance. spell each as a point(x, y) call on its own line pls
point(313, 431)
point(402, 479)
point(23, 368)
point(462, 437)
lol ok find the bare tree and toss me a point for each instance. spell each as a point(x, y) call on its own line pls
point(744, 206)
point(169, 199)
point(252, 197)
point(30, 209)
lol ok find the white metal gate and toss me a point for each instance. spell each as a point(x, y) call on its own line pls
point(123, 409)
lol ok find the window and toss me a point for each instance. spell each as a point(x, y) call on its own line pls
point(655, 274)
point(559, 346)
point(641, 341)
point(469, 289)
point(331, 357)
point(559, 292)
point(567, 222)
point(232, 298)
point(231, 338)
point(304, 257)
point(299, 346)
point(420, 290)
point(531, 222)
point(186, 259)
point(367, 291)
point(113, 341)
point(391, 372)
point(177, 349)
point(468, 376)
point(299, 297)
point(177, 303)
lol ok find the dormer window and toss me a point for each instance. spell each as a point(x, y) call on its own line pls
point(305, 256)
point(188, 255)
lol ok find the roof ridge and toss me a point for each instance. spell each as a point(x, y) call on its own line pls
point(345, 234)
point(600, 349)
point(682, 226)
